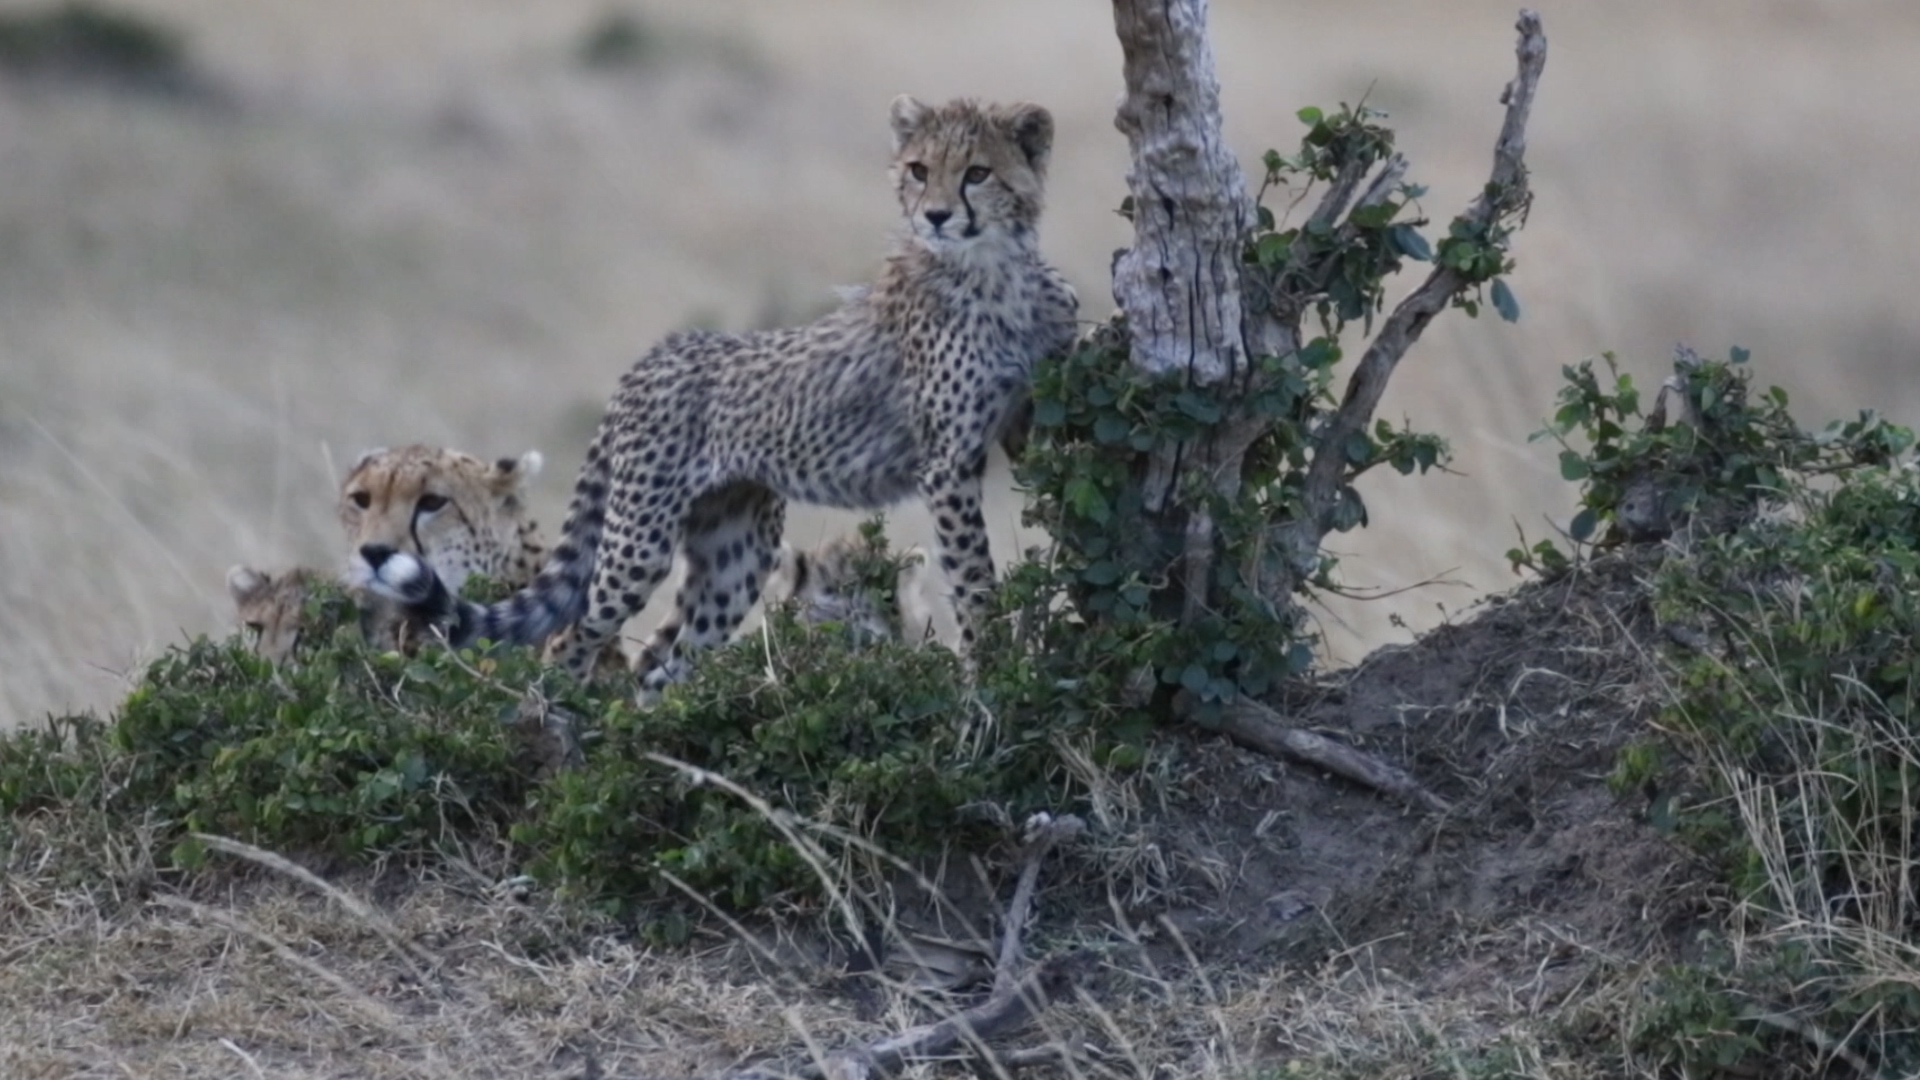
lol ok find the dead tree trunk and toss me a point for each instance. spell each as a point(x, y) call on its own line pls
point(1198, 311)
point(1214, 297)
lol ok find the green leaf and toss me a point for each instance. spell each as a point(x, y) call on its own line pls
point(1299, 657)
point(1088, 501)
point(1197, 407)
point(1348, 510)
point(1110, 429)
point(1049, 413)
point(1195, 678)
point(1273, 249)
point(1104, 572)
point(1583, 525)
point(1503, 300)
point(1738, 355)
point(1573, 467)
point(1408, 241)
point(1373, 217)
point(1358, 448)
point(1309, 116)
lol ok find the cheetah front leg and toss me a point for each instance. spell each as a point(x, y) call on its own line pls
point(952, 493)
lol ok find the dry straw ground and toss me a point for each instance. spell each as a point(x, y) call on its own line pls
point(423, 221)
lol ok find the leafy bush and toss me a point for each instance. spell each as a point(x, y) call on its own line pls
point(618, 40)
point(1097, 424)
point(1790, 748)
point(1645, 473)
point(86, 40)
point(360, 755)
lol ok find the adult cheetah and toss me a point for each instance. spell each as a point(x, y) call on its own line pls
point(896, 393)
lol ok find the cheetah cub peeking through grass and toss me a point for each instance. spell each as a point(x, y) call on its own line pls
point(463, 515)
point(859, 584)
point(897, 393)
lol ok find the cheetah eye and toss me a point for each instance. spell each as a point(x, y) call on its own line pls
point(361, 499)
point(430, 503)
point(978, 174)
point(917, 171)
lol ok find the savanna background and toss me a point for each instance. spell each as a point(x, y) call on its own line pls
point(387, 221)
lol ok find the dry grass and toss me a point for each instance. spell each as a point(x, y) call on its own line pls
point(423, 221)
point(263, 968)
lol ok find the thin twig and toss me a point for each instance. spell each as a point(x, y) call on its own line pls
point(1043, 832)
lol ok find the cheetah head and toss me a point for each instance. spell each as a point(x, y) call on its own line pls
point(833, 583)
point(969, 173)
point(272, 608)
point(457, 513)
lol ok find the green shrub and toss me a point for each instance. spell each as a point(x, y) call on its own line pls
point(618, 40)
point(87, 40)
point(1112, 592)
point(878, 742)
point(360, 755)
point(1789, 749)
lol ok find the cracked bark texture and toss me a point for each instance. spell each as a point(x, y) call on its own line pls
point(1180, 282)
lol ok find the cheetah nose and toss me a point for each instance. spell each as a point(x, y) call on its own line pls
point(376, 554)
point(937, 218)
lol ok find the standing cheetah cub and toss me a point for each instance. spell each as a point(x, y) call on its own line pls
point(897, 393)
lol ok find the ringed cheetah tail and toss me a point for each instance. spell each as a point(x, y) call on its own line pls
point(556, 598)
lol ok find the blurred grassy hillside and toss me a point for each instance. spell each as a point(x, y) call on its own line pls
point(400, 220)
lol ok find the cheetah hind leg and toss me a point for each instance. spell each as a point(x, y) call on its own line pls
point(731, 545)
point(633, 556)
point(961, 530)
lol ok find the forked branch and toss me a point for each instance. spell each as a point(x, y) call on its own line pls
point(1506, 192)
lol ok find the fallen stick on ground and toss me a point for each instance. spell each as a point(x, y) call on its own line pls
point(1257, 727)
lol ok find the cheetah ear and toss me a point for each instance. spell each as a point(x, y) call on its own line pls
point(908, 114)
point(511, 474)
point(365, 456)
point(244, 583)
point(1031, 127)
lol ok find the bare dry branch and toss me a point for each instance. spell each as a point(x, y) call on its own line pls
point(1339, 193)
point(1043, 832)
point(1257, 727)
point(406, 952)
point(1013, 1001)
point(374, 1011)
